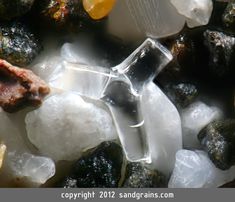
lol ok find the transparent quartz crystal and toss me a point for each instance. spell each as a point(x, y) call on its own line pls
point(120, 88)
point(124, 91)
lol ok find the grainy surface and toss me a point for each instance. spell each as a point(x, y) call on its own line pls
point(20, 87)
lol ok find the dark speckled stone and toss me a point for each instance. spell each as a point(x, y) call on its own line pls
point(139, 176)
point(218, 139)
point(18, 44)
point(99, 168)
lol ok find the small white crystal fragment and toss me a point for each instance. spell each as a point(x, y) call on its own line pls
point(38, 169)
point(65, 125)
point(197, 12)
point(194, 118)
point(193, 169)
point(163, 128)
point(141, 18)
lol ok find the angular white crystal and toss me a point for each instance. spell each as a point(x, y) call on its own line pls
point(193, 169)
point(141, 18)
point(197, 12)
point(66, 125)
point(38, 169)
point(194, 118)
point(163, 128)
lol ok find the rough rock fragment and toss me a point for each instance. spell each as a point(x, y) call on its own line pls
point(183, 50)
point(229, 14)
point(99, 168)
point(63, 11)
point(139, 176)
point(56, 9)
point(14, 8)
point(221, 47)
point(18, 45)
point(20, 87)
point(218, 139)
point(182, 94)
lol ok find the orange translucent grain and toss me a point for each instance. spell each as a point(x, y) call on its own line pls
point(98, 9)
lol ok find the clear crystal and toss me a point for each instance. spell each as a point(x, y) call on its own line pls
point(123, 94)
point(123, 105)
point(144, 64)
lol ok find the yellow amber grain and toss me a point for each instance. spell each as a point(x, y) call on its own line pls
point(2, 153)
point(98, 9)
